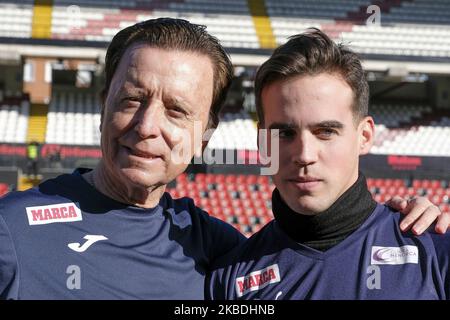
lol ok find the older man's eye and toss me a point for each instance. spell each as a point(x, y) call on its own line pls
point(176, 112)
point(131, 100)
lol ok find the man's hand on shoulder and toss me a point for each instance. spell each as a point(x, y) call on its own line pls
point(420, 214)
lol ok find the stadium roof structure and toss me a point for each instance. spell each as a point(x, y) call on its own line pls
point(12, 49)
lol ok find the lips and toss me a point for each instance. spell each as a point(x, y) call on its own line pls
point(305, 179)
point(141, 154)
point(305, 183)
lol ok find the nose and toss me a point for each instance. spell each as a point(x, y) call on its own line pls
point(305, 151)
point(149, 119)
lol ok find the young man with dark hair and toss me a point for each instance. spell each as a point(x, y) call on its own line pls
point(329, 238)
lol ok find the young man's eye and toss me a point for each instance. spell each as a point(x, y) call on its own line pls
point(286, 133)
point(326, 133)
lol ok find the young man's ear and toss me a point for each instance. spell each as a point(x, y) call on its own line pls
point(367, 135)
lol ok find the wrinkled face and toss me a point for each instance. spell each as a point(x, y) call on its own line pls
point(155, 98)
point(319, 139)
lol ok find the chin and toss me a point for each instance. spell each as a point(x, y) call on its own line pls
point(143, 178)
point(308, 205)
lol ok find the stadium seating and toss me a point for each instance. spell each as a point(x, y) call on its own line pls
point(421, 11)
point(394, 115)
point(438, 191)
point(16, 19)
point(419, 141)
point(408, 28)
point(94, 20)
point(401, 32)
point(405, 130)
point(14, 120)
point(242, 200)
point(73, 118)
point(407, 40)
point(318, 9)
point(235, 131)
point(4, 188)
point(245, 200)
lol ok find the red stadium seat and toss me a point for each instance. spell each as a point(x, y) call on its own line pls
point(417, 184)
point(200, 177)
point(379, 183)
point(3, 189)
point(230, 179)
point(435, 184)
point(445, 207)
point(425, 183)
point(398, 183)
point(437, 199)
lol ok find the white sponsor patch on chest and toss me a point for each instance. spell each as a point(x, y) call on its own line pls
point(61, 212)
point(394, 255)
point(257, 280)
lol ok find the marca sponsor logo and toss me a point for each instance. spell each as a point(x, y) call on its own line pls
point(394, 255)
point(257, 280)
point(61, 212)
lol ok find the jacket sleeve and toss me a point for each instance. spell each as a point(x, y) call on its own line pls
point(224, 239)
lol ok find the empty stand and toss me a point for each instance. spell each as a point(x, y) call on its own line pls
point(318, 9)
point(408, 28)
point(410, 130)
point(235, 131)
point(437, 191)
point(407, 40)
point(421, 11)
point(245, 200)
point(16, 19)
point(242, 200)
point(14, 120)
point(229, 20)
point(73, 118)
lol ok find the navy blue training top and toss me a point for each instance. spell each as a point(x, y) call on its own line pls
point(65, 240)
point(377, 261)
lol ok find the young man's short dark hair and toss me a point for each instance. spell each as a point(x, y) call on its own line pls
point(312, 53)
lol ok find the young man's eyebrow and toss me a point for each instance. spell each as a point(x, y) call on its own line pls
point(282, 125)
point(329, 124)
point(323, 124)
